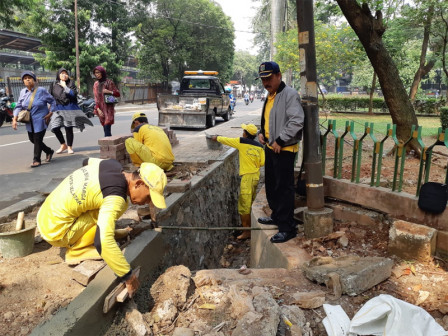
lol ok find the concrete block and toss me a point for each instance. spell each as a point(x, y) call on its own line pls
point(355, 214)
point(318, 223)
point(178, 186)
point(412, 241)
point(356, 274)
point(442, 245)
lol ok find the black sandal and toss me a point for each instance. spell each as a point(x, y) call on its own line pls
point(49, 156)
point(35, 164)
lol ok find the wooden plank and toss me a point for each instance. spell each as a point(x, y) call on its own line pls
point(118, 293)
point(86, 271)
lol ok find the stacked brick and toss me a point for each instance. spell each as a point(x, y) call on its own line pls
point(172, 136)
point(113, 148)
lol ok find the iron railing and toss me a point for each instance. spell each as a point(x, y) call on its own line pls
point(377, 153)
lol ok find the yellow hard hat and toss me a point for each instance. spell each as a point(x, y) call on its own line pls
point(250, 128)
point(135, 116)
point(154, 177)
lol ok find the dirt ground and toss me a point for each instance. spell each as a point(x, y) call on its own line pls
point(34, 287)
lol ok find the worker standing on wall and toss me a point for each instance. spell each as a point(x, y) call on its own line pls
point(80, 214)
point(251, 156)
point(149, 144)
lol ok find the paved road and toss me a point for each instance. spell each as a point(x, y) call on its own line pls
point(18, 181)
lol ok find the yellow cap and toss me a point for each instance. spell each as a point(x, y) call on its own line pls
point(135, 116)
point(250, 128)
point(155, 178)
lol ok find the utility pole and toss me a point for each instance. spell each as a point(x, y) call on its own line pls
point(318, 220)
point(78, 74)
point(277, 22)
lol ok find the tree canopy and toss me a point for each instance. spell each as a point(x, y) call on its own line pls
point(176, 36)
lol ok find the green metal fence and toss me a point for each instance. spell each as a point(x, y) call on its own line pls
point(377, 153)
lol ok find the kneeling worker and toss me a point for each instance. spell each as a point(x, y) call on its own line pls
point(80, 213)
point(251, 155)
point(149, 144)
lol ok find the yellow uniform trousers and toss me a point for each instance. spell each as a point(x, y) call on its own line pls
point(79, 239)
point(140, 153)
point(248, 189)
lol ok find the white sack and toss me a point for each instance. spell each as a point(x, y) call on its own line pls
point(386, 315)
point(337, 322)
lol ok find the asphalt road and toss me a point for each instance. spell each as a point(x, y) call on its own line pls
point(19, 181)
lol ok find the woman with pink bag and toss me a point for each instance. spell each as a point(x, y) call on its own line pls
point(105, 93)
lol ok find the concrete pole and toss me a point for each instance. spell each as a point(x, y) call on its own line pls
point(277, 22)
point(317, 219)
point(78, 74)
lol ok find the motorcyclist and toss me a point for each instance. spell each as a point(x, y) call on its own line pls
point(246, 98)
point(251, 97)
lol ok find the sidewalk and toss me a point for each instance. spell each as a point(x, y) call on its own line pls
point(192, 148)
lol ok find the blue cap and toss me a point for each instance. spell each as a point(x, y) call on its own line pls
point(266, 69)
point(28, 73)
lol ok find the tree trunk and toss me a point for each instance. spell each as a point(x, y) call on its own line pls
point(423, 69)
point(372, 91)
point(369, 30)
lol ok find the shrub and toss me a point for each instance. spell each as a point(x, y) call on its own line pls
point(428, 105)
point(352, 103)
point(444, 117)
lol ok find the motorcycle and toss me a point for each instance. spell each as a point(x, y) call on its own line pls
point(246, 100)
point(232, 103)
point(6, 113)
point(87, 105)
point(251, 98)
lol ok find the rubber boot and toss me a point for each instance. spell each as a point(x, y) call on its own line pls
point(245, 221)
point(83, 249)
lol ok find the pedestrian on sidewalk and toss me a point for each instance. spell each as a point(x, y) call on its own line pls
point(149, 144)
point(68, 113)
point(251, 156)
point(36, 100)
point(105, 93)
point(80, 214)
point(282, 121)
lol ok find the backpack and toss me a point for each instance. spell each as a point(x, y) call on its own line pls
point(433, 197)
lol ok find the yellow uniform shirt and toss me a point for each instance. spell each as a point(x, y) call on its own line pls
point(251, 153)
point(156, 140)
point(267, 112)
point(99, 188)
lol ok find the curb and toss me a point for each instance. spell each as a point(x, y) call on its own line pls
point(27, 205)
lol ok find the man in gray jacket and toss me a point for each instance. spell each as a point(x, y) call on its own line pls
point(281, 130)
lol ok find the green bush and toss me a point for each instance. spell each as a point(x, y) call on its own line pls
point(428, 105)
point(352, 103)
point(444, 117)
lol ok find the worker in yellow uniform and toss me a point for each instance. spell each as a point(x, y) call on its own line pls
point(251, 155)
point(149, 144)
point(80, 213)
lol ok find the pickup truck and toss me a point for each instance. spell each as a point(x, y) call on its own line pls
point(200, 100)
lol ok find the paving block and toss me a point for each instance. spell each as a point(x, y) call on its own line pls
point(178, 186)
point(119, 147)
point(356, 274)
point(412, 241)
point(442, 245)
point(112, 140)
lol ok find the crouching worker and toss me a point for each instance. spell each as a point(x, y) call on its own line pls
point(251, 155)
point(80, 213)
point(149, 144)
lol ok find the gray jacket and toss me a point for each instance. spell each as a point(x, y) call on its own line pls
point(286, 118)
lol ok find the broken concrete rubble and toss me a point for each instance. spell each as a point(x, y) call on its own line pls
point(356, 274)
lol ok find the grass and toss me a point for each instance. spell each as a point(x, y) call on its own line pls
point(430, 125)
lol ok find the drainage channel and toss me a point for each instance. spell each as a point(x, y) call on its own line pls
point(202, 205)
